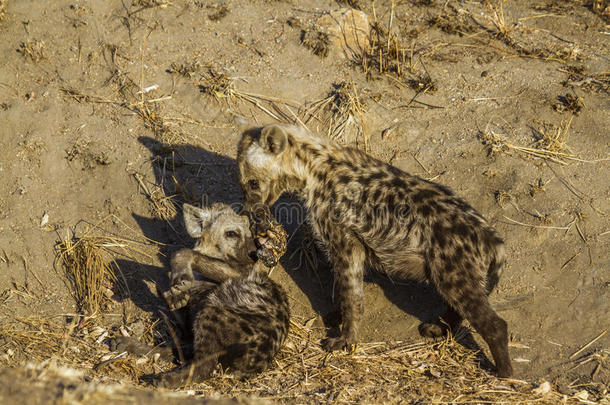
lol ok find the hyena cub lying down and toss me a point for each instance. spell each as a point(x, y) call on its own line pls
point(366, 212)
point(240, 318)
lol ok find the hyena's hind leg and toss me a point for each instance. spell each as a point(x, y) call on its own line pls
point(202, 365)
point(492, 328)
point(472, 302)
point(193, 372)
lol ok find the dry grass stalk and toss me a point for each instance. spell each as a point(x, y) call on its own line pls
point(164, 206)
point(381, 372)
point(90, 273)
point(152, 3)
point(222, 89)
point(550, 144)
point(341, 110)
point(385, 53)
point(186, 69)
point(498, 20)
point(88, 262)
point(149, 111)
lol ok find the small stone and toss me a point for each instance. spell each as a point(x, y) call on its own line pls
point(542, 389)
point(347, 29)
point(582, 395)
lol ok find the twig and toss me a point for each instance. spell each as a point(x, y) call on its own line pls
point(582, 349)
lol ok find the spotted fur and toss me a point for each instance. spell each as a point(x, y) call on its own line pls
point(240, 317)
point(366, 212)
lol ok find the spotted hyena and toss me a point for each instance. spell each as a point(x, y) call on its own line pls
point(366, 212)
point(240, 317)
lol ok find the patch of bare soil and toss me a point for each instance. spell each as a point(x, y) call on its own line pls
point(114, 113)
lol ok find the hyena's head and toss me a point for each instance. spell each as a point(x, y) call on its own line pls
point(221, 234)
point(264, 164)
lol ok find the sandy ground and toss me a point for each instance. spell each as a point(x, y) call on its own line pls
point(104, 103)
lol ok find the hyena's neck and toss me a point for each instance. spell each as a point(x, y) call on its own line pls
point(308, 153)
point(309, 161)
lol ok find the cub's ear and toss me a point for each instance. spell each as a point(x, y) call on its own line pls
point(195, 219)
point(273, 139)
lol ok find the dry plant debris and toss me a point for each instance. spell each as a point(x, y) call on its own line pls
point(222, 88)
point(386, 54)
point(164, 206)
point(454, 22)
point(88, 262)
point(442, 371)
point(341, 110)
point(578, 77)
point(151, 3)
point(186, 69)
point(554, 6)
point(82, 151)
point(33, 50)
point(220, 13)
point(569, 103)
point(318, 42)
point(89, 271)
point(357, 4)
point(549, 143)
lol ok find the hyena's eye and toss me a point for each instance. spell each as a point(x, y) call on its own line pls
point(253, 184)
point(231, 234)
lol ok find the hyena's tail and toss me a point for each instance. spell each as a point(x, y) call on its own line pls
point(498, 258)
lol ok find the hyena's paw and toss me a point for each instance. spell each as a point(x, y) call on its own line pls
point(179, 294)
point(170, 379)
point(128, 344)
point(432, 330)
point(175, 301)
point(338, 343)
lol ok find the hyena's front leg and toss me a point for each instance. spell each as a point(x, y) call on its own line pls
point(348, 258)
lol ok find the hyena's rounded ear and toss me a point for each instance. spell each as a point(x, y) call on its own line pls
point(195, 219)
point(273, 139)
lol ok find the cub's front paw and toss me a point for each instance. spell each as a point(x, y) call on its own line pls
point(179, 294)
point(175, 301)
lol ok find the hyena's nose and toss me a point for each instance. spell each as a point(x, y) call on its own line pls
point(253, 255)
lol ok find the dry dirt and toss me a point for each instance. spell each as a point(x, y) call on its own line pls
point(116, 112)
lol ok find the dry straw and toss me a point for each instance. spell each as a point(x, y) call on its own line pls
point(340, 111)
point(89, 272)
point(223, 89)
point(550, 144)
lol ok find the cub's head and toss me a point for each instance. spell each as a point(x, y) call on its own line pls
point(221, 234)
point(262, 160)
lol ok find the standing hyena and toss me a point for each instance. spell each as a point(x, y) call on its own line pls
point(367, 212)
point(240, 318)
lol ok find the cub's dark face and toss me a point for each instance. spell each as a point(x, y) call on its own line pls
point(259, 159)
